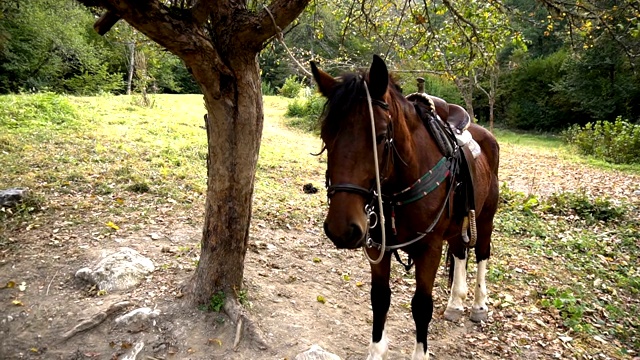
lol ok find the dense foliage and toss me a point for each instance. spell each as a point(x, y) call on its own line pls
point(50, 45)
point(536, 69)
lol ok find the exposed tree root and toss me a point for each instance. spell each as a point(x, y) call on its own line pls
point(95, 320)
point(245, 328)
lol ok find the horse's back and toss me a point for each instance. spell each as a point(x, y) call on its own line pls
point(490, 149)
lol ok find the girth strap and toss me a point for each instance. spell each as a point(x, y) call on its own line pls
point(409, 263)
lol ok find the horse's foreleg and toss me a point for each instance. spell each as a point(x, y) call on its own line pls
point(458, 294)
point(427, 263)
point(479, 310)
point(380, 301)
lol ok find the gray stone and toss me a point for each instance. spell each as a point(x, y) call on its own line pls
point(12, 197)
point(121, 270)
point(316, 353)
point(138, 317)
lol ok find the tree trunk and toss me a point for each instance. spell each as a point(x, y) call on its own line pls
point(492, 103)
point(132, 54)
point(468, 101)
point(234, 128)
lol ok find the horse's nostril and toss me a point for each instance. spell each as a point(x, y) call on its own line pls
point(356, 232)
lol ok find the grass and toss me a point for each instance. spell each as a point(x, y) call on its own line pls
point(107, 151)
point(105, 160)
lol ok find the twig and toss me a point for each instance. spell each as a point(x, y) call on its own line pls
point(54, 276)
point(281, 39)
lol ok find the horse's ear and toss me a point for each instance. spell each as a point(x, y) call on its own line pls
point(378, 77)
point(325, 81)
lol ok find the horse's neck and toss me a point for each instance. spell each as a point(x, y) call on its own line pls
point(417, 148)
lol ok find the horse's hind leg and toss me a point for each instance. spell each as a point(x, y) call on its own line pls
point(380, 301)
point(479, 310)
point(458, 268)
point(427, 262)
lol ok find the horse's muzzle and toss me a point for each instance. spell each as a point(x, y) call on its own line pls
point(352, 238)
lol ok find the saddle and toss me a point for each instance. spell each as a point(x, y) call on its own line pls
point(456, 143)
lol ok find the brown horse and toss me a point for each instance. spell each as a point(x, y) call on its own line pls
point(376, 139)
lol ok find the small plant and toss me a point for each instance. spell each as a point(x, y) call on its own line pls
point(243, 298)
point(570, 308)
point(291, 87)
point(267, 88)
point(215, 303)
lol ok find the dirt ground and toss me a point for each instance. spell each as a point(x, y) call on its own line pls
point(285, 272)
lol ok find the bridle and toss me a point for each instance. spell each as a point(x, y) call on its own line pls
point(432, 179)
point(372, 193)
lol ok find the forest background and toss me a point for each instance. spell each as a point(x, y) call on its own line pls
point(518, 62)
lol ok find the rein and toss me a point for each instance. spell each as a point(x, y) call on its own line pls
point(378, 186)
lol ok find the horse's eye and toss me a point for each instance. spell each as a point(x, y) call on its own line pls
point(380, 138)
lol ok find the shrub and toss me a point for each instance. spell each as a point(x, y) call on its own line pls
point(291, 87)
point(267, 89)
point(42, 110)
point(617, 142)
point(306, 113)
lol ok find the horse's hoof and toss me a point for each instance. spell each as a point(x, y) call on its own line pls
point(453, 314)
point(479, 315)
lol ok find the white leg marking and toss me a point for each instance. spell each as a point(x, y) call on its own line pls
point(420, 353)
point(378, 351)
point(480, 297)
point(459, 286)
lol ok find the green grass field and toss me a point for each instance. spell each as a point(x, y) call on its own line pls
point(116, 162)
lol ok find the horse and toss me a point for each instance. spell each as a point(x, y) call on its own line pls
point(383, 162)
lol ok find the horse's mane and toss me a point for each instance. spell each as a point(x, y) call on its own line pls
point(347, 93)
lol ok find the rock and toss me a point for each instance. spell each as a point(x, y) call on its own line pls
point(133, 354)
point(137, 317)
point(12, 197)
point(119, 271)
point(316, 353)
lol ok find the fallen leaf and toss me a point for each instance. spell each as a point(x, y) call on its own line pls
point(17, 303)
point(10, 284)
point(321, 299)
point(216, 341)
point(112, 225)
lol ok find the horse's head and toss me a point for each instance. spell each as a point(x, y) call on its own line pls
point(347, 135)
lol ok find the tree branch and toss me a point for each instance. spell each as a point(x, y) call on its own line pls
point(254, 33)
point(201, 10)
point(106, 22)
